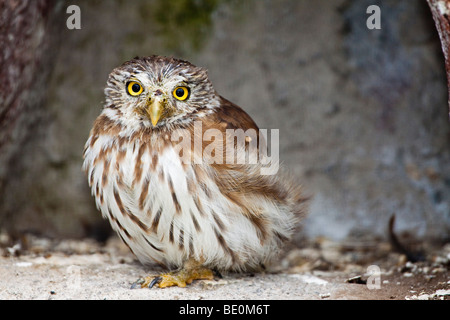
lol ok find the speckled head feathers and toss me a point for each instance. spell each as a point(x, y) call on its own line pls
point(161, 76)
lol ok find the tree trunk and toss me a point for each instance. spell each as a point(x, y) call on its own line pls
point(26, 61)
point(441, 15)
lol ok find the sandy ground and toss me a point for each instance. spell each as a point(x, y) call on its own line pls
point(37, 268)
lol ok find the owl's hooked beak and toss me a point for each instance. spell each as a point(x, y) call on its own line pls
point(155, 108)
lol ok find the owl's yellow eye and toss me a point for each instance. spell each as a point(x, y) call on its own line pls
point(181, 93)
point(134, 88)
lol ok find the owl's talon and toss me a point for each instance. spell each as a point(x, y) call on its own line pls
point(154, 281)
point(137, 284)
point(179, 278)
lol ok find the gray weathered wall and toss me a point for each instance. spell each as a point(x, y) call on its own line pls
point(362, 113)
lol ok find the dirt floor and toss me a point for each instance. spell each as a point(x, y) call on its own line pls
point(40, 268)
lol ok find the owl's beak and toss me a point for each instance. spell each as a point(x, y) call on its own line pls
point(155, 109)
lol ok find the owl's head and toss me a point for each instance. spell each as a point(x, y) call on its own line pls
point(156, 91)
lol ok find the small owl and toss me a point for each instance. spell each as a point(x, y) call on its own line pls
point(175, 181)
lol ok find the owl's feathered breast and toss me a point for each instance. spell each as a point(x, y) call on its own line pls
point(166, 210)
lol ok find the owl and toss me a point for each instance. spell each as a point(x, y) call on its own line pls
point(175, 181)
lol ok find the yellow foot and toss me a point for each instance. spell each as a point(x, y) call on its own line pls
point(179, 278)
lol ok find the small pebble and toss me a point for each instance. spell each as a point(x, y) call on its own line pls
point(407, 274)
point(324, 295)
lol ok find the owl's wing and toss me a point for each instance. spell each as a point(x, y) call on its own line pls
point(233, 117)
point(241, 182)
point(230, 120)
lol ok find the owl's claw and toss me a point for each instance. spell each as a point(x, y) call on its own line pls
point(154, 281)
point(179, 278)
point(137, 284)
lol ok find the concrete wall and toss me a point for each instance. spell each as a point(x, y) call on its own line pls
point(362, 114)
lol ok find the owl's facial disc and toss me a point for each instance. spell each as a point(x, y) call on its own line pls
point(161, 98)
